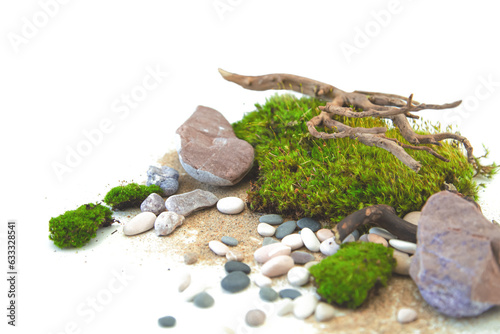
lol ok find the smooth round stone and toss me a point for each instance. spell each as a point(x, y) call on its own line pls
point(404, 246)
point(285, 229)
point(233, 255)
point(277, 266)
point(375, 238)
point(203, 300)
point(304, 306)
point(190, 258)
point(406, 315)
point(290, 293)
point(363, 238)
point(310, 223)
point(231, 266)
point(300, 257)
point(349, 238)
point(230, 205)
point(218, 247)
point(284, 307)
point(382, 232)
point(235, 281)
point(272, 219)
point(255, 318)
point(263, 254)
point(298, 276)
point(310, 264)
point(324, 312)
point(294, 241)
point(266, 230)
point(413, 217)
point(184, 280)
point(268, 294)
point(329, 247)
point(309, 239)
point(269, 240)
point(403, 261)
point(153, 203)
point(262, 281)
point(323, 234)
point(143, 222)
point(230, 241)
point(167, 321)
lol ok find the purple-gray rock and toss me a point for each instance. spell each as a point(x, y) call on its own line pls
point(165, 177)
point(209, 150)
point(456, 265)
point(186, 203)
point(167, 222)
point(153, 203)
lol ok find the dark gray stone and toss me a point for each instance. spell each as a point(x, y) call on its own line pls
point(153, 203)
point(309, 223)
point(235, 281)
point(186, 203)
point(456, 265)
point(231, 266)
point(290, 293)
point(268, 294)
point(271, 219)
point(165, 177)
point(230, 241)
point(300, 257)
point(167, 321)
point(269, 240)
point(203, 300)
point(285, 229)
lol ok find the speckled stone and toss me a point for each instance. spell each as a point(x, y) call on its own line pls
point(230, 241)
point(272, 219)
point(233, 255)
point(165, 177)
point(190, 258)
point(290, 293)
point(300, 257)
point(268, 294)
point(185, 204)
point(167, 222)
point(203, 300)
point(231, 266)
point(310, 223)
point(285, 229)
point(153, 203)
point(167, 321)
point(294, 241)
point(406, 315)
point(235, 282)
point(255, 318)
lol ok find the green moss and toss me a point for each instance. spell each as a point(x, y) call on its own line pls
point(130, 195)
point(299, 175)
point(346, 277)
point(76, 227)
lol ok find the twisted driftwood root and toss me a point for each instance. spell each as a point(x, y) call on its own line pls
point(394, 107)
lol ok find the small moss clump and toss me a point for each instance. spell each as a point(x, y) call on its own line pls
point(299, 175)
point(346, 277)
point(76, 227)
point(129, 195)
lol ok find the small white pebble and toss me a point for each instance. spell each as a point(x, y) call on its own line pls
point(304, 306)
point(184, 280)
point(403, 246)
point(329, 247)
point(406, 315)
point(261, 280)
point(230, 205)
point(310, 240)
point(218, 247)
point(284, 307)
point(266, 230)
point(298, 276)
point(324, 312)
point(294, 241)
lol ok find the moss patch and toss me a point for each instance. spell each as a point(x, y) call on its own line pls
point(300, 175)
point(130, 195)
point(346, 277)
point(76, 227)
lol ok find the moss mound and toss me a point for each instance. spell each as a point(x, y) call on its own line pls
point(300, 175)
point(346, 277)
point(129, 195)
point(76, 227)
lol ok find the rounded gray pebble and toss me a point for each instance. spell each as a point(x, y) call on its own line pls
point(167, 321)
point(268, 294)
point(153, 203)
point(235, 282)
point(285, 229)
point(231, 266)
point(255, 318)
point(309, 223)
point(272, 219)
point(300, 257)
point(190, 258)
point(230, 241)
point(289, 293)
point(203, 300)
point(268, 241)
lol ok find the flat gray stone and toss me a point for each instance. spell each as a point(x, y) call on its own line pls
point(285, 229)
point(230, 241)
point(203, 300)
point(268, 294)
point(310, 223)
point(187, 203)
point(269, 240)
point(271, 219)
point(235, 282)
point(167, 321)
point(300, 257)
point(289, 293)
point(231, 266)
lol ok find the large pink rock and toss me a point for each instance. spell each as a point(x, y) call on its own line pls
point(210, 152)
point(456, 266)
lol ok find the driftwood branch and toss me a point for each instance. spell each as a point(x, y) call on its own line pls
point(390, 106)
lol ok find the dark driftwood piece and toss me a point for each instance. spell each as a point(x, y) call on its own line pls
point(380, 215)
point(390, 106)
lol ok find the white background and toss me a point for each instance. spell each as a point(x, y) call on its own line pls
point(68, 74)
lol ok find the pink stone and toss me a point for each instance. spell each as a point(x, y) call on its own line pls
point(324, 234)
point(277, 266)
point(267, 252)
point(377, 239)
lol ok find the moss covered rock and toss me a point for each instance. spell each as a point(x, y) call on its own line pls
point(130, 195)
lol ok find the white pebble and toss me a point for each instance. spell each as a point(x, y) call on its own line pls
point(266, 230)
point(284, 307)
point(382, 232)
point(324, 312)
point(298, 276)
point(406, 315)
point(404, 246)
point(413, 217)
point(294, 241)
point(277, 266)
point(230, 205)
point(304, 306)
point(263, 254)
point(143, 222)
point(403, 262)
point(261, 280)
point(184, 281)
point(324, 234)
point(309, 239)
point(329, 247)
point(218, 247)
point(192, 290)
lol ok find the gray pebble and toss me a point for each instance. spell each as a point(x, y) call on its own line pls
point(268, 241)
point(255, 318)
point(203, 300)
point(167, 321)
point(235, 282)
point(310, 223)
point(186, 203)
point(272, 219)
point(153, 203)
point(231, 266)
point(300, 257)
point(268, 294)
point(230, 241)
point(190, 258)
point(285, 229)
point(289, 293)
point(165, 177)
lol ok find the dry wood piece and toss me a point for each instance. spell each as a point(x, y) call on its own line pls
point(380, 215)
point(394, 107)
